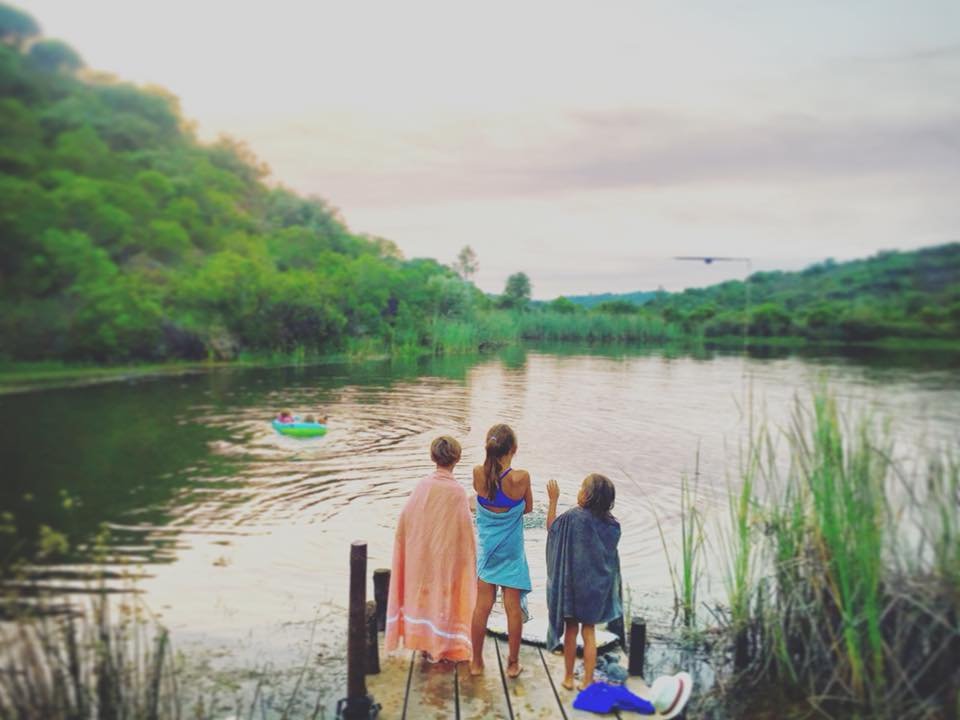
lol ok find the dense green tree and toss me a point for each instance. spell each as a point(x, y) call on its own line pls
point(54, 56)
point(16, 26)
point(563, 306)
point(516, 292)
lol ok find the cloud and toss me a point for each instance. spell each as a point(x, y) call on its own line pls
point(624, 148)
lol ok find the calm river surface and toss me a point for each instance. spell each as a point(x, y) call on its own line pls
point(239, 537)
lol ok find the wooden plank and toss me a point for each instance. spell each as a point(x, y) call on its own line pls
point(531, 694)
point(389, 686)
point(433, 688)
point(483, 696)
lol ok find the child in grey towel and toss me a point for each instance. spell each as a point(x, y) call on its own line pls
point(583, 572)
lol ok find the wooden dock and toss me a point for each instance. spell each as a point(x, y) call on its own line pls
point(410, 688)
point(404, 685)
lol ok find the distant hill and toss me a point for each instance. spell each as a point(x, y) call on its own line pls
point(892, 294)
point(590, 301)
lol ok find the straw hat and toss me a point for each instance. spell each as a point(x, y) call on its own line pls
point(670, 693)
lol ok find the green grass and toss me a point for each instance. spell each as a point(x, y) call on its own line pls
point(843, 579)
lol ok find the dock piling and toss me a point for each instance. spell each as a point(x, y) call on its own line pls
point(638, 645)
point(358, 704)
point(373, 652)
point(381, 591)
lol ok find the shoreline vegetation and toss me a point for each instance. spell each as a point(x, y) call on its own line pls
point(26, 376)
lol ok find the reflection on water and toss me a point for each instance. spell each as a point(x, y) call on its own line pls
point(232, 529)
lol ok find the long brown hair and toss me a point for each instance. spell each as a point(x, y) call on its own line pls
point(500, 441)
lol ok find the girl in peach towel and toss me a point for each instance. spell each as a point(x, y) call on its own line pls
point(433, 583)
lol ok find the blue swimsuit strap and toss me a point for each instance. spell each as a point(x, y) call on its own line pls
point(501, 499)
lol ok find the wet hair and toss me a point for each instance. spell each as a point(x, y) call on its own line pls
point(597, 494)
point(501, 440)
point(445, 451)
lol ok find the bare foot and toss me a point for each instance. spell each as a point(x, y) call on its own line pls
point(584, 684)
point(568, 683)
point(476, 669)
point(514, 669)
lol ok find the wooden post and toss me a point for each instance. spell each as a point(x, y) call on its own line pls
point(381, 591)
point(358, 704)
point(638, 645)
point(373, 652)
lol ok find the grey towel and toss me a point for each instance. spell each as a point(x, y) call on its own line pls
point(583, 571)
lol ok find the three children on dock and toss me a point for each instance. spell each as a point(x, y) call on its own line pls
point(444, 579)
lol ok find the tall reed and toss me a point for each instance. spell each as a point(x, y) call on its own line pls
point(844, 581)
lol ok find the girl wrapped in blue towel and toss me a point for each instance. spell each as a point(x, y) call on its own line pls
point(503, 498)
point(583, 572)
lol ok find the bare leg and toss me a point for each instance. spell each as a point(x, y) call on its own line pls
point(589, 654)
point(511, 604)
point(569, 652)
point(486, 595)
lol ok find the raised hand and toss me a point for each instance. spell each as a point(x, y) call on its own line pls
point(553, 490)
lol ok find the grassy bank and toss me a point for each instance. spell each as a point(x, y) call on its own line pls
point(843, 577)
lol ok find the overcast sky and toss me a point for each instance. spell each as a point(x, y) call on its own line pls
point(584, 143)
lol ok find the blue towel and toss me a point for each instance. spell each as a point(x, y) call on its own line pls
point(583, 571)
point(600, 698)
point(501, 559)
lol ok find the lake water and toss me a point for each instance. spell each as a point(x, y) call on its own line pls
point(238, 538)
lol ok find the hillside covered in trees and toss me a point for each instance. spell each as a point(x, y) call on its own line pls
point(124, 238)
point(892, 294)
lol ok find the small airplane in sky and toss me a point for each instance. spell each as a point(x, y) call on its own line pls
point(710, 260)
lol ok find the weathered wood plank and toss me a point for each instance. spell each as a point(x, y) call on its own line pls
point(483, 696)
point(433, 688)
point(389, 686)
point(531, 694)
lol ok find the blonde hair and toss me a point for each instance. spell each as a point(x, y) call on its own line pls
point(445, 451)
point(501, 440)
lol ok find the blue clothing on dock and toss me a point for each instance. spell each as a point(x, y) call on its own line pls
point(601, 698)
point(583, 571)
point(501, 559)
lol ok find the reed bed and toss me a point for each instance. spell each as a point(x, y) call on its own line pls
point(66, 666)
point(843, 581)
point(496, 328)
point(70, 666)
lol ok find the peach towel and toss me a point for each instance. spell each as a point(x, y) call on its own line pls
point(433, 583)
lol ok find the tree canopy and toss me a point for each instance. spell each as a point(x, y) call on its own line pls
point(124, 238)
point(16, 25)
